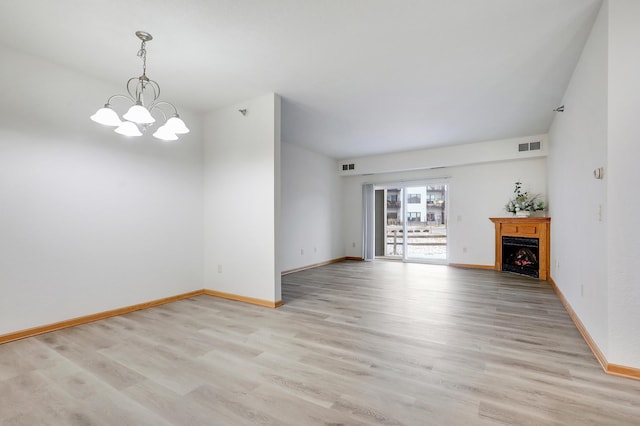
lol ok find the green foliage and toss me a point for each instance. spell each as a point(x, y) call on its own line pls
point(523, 201)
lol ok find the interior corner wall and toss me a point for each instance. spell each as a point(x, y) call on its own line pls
point(623, 175)
point(311, 208)
point(241, 194)
point(90, 221)
point(578, 203)
point(476, 193)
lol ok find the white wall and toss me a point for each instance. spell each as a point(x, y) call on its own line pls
point(311, 222)
point(600, 127)
point(578, 145)
point(477, 192)
point(89, 221)
point(623, 152)
point(242, 197)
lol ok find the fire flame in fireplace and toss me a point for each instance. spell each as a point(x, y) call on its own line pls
point(524, 257)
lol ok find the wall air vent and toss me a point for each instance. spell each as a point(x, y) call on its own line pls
point(346, 167)
point(529, 146)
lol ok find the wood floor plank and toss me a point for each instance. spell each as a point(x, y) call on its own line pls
point(356, 343)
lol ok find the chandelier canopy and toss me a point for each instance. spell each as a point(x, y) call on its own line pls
point(138, 118)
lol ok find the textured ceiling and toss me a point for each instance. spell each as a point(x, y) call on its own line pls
point(357, 77)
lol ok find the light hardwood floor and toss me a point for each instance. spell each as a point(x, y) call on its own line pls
point(355, 343)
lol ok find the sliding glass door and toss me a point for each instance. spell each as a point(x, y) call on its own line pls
point(426, 222)
point(412, 222)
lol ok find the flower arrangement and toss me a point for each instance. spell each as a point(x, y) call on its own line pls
point(523, 202)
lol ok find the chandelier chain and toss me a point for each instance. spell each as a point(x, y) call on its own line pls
point(142, 53)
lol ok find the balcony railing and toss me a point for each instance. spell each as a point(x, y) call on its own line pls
point(422, 235)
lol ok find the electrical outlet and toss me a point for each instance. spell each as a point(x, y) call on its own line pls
point(301, 252)
point(353, 244)
point(315, 249)
point(219, 268)
point(557, 264)
point(464, 249)
point(582, 290)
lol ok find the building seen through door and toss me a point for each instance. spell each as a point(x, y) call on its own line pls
point(418, 213)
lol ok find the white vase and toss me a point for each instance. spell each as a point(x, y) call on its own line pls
point(523, 213)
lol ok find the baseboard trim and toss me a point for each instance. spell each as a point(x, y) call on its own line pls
point(315, 265)
point(580, 326)
point(35, 331)
point(359, 259)
point(245, 299)
point(624, 371)
point(613, 369)
point(471, 266)
point(10, 337)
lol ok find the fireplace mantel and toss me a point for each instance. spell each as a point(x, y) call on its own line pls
point(530, 227)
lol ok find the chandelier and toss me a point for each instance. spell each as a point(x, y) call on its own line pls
point(138, 118)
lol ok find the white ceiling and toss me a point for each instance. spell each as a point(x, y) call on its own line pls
point(357, 77)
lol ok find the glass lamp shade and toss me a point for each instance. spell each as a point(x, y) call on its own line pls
point(176, 125)
point(165, 134)
point(139, 114)
point(106, 116)
point(128, 128)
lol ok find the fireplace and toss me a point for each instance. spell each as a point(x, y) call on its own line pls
point(522, 245)
point(520, 255)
